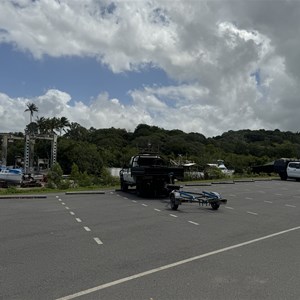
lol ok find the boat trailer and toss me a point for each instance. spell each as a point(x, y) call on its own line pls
point(213, 199)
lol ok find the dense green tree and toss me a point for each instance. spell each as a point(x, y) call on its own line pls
point(77, 132)
point(85, 155)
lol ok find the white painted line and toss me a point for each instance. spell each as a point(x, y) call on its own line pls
point(278, 194)
point(228, 207)
point(87, 228)
point(173, 265)
point(125, 198)
point(59, 200)
point(78, 220)
point(134, 201)
point(174, 216)
point(268, 201)
point(67, 207)
point(72, 213)
point(156, 209)
point(249, 198)
point(98, 241)
point(288, 205)
point(194, 223)
point(144, 204)
point(252, 213)
point(63, 203)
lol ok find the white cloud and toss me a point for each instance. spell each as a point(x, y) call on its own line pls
point(236, 63)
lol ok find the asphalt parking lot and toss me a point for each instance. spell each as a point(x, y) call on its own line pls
point(118, 246)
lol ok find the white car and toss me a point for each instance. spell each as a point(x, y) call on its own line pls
point(293, 170)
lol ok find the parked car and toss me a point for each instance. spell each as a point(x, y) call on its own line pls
point(293, 170)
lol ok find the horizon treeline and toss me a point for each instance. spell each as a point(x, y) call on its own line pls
point(92, 149)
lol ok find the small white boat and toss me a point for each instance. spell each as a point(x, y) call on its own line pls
point(220, 165)
point(13, 176)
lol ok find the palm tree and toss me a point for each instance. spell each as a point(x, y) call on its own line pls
point(31, 107)
point(63, 122)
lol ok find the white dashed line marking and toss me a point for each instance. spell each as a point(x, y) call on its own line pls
point(268, 201)
point(98, 241)
point(278, 194)
point(67, 207)
point(156, 209)
point(56, 196)
point(59, 200)
point(249, 198)
point(134, 201)
point(144, 204)
point(174, 216)
point(72, 213)
point(252, 213)
point(78, 220)
point(63, 203)
point(87, 228)
point(194, 223)
point(288, 205)
point(228, 207)
point(125, 198)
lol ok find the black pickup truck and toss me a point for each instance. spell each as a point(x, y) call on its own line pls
point(150, 174)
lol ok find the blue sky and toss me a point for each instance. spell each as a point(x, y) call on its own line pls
point(83, 78)
point(197, 66)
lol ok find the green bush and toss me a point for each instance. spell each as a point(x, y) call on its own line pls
point(107, 179)
point(54, 176)
point(213, 173)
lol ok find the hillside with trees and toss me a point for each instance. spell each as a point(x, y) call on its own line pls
point(92, 149)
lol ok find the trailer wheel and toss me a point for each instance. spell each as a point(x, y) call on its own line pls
point(215, 206)
point(172, 202)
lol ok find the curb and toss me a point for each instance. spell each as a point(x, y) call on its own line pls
point(23, 197)
point(223, 182)
point(199, 184)
point(85, 193)
point(244, 180)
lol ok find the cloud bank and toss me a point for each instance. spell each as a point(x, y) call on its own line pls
point(235, 63)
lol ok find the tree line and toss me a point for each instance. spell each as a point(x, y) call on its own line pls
point(92, 149)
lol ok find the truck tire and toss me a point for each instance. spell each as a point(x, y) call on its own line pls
point(172, 202)
point(139, 189)
point(124, 186)
point(283, 176)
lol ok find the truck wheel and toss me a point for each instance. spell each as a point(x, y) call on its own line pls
point(215, 206)
point(124, 186)
point(283, 176)
point(172, 202)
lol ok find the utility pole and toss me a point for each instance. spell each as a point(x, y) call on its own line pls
point(4, 149)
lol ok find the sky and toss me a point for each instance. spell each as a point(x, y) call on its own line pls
point(206, 66)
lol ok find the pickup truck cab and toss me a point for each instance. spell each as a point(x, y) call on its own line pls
point(293, 170)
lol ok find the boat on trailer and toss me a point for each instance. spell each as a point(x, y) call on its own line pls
point(12, 176)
